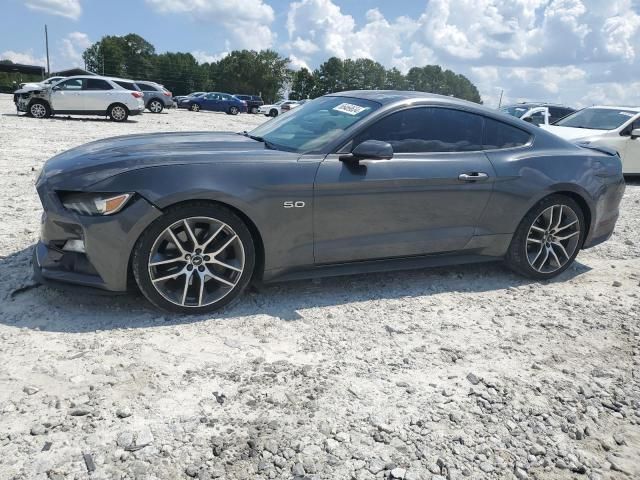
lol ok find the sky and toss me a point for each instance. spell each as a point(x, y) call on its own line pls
point(576, 52)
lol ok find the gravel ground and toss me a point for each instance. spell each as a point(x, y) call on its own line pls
point(450, 373)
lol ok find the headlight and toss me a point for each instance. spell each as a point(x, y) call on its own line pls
point(95, 203)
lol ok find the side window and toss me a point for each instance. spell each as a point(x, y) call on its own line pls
point(127, 85)
point(226, 97)
point(537, 118)
point(146, 87)
point(500, 135)
point(97, 84)
point(73, 84)
point(419, 130)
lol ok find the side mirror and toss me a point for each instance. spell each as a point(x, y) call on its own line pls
point(370, 150)
point(635, 133)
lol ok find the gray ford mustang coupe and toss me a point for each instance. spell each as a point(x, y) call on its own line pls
point(350, 182)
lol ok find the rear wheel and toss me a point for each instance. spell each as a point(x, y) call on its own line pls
point(118, 112)
point(195, 107)
point(155, 106)
point(194, 259)
point(39, 109)
point(548, 239)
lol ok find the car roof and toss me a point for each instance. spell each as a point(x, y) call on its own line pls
point(615, 107)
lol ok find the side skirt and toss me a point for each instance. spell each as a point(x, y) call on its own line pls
point(374, 266)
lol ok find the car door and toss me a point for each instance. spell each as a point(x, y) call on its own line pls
point(97, 94)
point(428, 198)
point(212, 102)
point(66, 96)
point(631, 149)
point(225, 102)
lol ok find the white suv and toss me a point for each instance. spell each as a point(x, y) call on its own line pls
point(83, 95)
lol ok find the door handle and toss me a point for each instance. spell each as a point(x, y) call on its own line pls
point(473, 176)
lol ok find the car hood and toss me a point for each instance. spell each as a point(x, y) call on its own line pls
point(569, 133)
point(96, 161)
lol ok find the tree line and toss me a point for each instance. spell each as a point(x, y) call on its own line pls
point(263, 72)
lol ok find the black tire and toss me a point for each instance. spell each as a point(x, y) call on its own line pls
point(233, 110)
point(155, 106)
point(145, 245)
point(273, 113)
point(39, 109)
point(254, 110)
point(118, 112)
point(194, 107)
point(518, 255)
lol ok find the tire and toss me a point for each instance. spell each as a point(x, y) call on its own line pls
point(233, 110)
point(254, 110)
point(118, 112)
point(548, 238)
point(225, 274)
point(273, 113)
point(39, 109)
point(194, 107)
point(155, 106)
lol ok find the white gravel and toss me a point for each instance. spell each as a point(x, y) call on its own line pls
point(449, 373)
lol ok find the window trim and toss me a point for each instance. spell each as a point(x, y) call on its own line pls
point(82, 84)
point(86, 81)
point(342, 149)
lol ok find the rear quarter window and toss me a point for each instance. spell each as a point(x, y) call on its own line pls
point(128, 85)
point(499, 135)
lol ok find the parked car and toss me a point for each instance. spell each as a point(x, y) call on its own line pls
point(254, 102)
point(216, 102)
point(275, 109)
point(613, 127)
point(181, 98)
point(83, 95)
point(538, 113)
point(300, 196)
point(44, 83)
point(156, 97)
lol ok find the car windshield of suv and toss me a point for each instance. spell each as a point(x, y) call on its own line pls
point(597, 118)
point(515, 110)
point(313, 124)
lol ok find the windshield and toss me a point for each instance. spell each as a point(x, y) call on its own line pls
point(515, 110)
point(313, 124)
point(597, 118)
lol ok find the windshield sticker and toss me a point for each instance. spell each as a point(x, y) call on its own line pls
point(350, 108)
point(626, 114)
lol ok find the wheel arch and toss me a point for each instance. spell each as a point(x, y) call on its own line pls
point(152, 99)
point(251, 225)
point(113, 104)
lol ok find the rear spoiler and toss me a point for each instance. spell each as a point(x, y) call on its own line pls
point(598, 148)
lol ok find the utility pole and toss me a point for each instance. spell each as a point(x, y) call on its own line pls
point(46, 41)
point(500, 102)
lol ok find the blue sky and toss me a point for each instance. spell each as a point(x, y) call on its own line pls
point(578, 52)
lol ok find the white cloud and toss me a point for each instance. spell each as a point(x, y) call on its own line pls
point(64, 8)
point(71, 48)
point(558, 50)
point(204, 57)
point(27, 58)
point(247, 22)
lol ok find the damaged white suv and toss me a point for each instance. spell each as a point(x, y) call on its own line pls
point(83, 95)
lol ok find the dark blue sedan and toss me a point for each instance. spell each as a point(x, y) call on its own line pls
point(217, 102)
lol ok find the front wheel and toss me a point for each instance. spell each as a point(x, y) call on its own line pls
point(196, 258)
point(254, 110)
point(39, 109)
point(118, 113)
point(195, 107)
point(233, 110)
point(548, 239)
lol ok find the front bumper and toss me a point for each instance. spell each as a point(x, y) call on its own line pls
point(108, 242)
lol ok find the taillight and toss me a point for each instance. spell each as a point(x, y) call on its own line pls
point(137, 94)
point(167, 94)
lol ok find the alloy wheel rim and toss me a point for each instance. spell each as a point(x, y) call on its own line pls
point(553, 239)
point(155, 107)
point(38, 110)
point(195, 108)
point(196, 262)
point(118, 113)
point(234, 110)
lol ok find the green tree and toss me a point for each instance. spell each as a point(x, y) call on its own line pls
point(303, 84)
